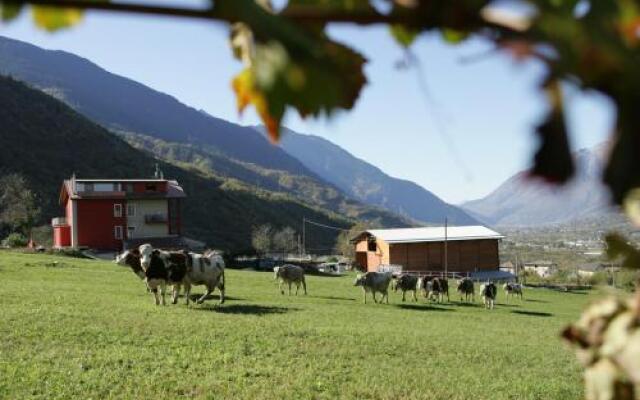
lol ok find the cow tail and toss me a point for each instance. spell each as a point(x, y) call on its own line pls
point(222, 280)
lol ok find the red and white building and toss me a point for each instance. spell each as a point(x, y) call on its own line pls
point(105, 214)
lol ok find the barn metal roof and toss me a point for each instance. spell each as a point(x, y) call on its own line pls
point(434, 234)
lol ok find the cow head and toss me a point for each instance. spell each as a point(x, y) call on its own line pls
point(132, 259)
point(276, 273)
point(146, 251)
point(360, 280)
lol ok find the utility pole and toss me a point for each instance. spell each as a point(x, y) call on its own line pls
point(446, 261)
point(304, 236)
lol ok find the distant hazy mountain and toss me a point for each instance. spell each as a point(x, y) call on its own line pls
point(522, 201)
point(368, 183)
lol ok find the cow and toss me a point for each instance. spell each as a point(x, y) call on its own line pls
point(186, 268)
point(131, 258)
point(374, 282)
point(435, 288)
point(205, 269)
point(466, 289)
point(489, 292)
point(153, 271)
point(406, 283)
point(513, 289)
point(289, 274)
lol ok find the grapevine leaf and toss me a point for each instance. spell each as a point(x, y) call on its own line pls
point(53, 19)
point(553, 160)
point(619, 248)
point(454, 36)
point(403, 35)
point(9, 11)
point(246, 94)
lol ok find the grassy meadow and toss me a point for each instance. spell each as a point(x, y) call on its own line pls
point(88, 329)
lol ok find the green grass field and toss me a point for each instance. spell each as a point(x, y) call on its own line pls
point(87, 329)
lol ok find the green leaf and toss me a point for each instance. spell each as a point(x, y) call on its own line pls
point(618, 247)
point(53, 19)
point(454, 36)
point(553, 160)
point(9, 11)
point(403, 35)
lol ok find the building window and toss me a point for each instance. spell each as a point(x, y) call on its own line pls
point(117, 232)
point(88, 187)
point(130, 231)
point(128, 187)
point(117, 210)
point(371, 245)
point(150, 187)
point(131, 210)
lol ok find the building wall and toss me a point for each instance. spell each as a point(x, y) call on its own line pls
point(148, 207)
point(462, 255)
point(95, 223)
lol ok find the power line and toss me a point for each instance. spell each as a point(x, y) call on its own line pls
point(324, 226)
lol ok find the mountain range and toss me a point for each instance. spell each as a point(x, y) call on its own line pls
point(46, 141)
point(524, 201)
point(167, 129)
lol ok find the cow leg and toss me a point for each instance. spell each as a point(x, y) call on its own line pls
point(187, 292)
point(297, 287)
point(175, 292)
point(205, 295)
point(415, 298)
point(289, 288)
point(364, 292)
point(385, 295)
point(403, 293)
point(304, 285)
point(280, 287)
point(374, 296)
point(221, 288)
point(163, 290)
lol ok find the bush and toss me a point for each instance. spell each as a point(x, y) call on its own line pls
point(15, 240)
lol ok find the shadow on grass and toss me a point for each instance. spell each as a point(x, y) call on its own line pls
point(536, 301)
point(420, 307)
point(245, 309)
point(532, 313)
point(508, 305)
point(194, 297)
point(574, 292)
point(466, 304)
point(334, 298)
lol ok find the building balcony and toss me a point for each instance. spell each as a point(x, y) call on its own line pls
point(59, 221)
point(155, 219)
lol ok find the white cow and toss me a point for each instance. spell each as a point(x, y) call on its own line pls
point(289, 274)
point(374, 282)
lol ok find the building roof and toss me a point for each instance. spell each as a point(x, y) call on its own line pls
point(174, 190)
point(434, 234)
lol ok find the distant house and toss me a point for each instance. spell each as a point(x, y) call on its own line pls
point(468, 249)
point(541, 268)
point(587, 270)
point(508, 267)
point(106, 214)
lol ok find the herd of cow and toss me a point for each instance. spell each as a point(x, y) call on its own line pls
point(161, 268)
point(433, 288)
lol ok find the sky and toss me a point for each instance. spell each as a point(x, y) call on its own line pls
point(459, 123)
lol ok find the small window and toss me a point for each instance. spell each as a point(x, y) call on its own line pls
point(117, 187)
point(117, 232)
point(88, 187)
point(130, 231)
point(117, 210)
point(131, 210)
point(150, 187)
point(128, 187)
point(371, 245)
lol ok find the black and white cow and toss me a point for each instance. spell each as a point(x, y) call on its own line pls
point(187, 269)
point(489, 292)
point(466, 289)
point(513, 289)
point(434, 288)
point(154, 272)
point(407, 283)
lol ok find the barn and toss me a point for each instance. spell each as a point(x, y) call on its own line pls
point(467, 248)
